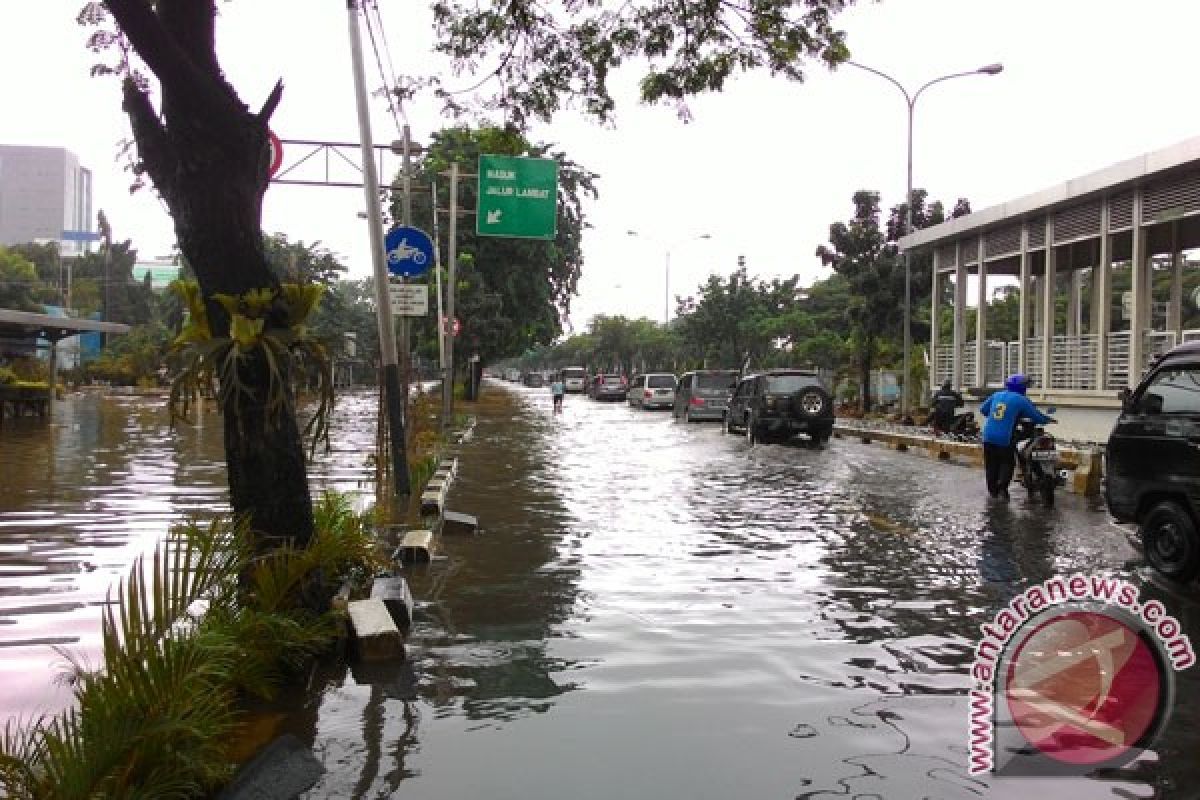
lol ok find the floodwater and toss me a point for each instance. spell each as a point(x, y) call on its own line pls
point(84, 495)
point(653, 610)
point(658, 610)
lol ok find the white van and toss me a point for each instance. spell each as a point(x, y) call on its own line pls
point(574, 379)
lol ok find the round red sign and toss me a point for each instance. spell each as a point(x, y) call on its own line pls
point(276, 153)
point(1084, 688)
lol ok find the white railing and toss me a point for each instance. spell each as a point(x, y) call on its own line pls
point(944, 370)
point(995, 367)
point(1118, 359)
point(1033, 361)
point(1073, 362)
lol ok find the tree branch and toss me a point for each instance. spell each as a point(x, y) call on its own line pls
point(159, 47)
point(154, 149)
point(272, 102)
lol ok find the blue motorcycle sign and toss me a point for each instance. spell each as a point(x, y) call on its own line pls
point(409, 251)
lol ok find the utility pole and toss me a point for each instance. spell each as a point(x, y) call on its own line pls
point(393, 399)
point(406, 220)
point(106, 233)
point(437, 273)
point(451, 259)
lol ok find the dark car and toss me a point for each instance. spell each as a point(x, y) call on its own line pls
point(608, 387)
point(704, 394)
point(1152, 463)
point(775, 405)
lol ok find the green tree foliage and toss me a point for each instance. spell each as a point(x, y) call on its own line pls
point(134, 358)
point(858, 251)
point(511, 294)
point(543, 53)
point(18, 282)
point(734, 319)
point(297, 262)
point(349, 307)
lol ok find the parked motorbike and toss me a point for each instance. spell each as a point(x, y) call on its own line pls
point(1037, 460)
point(961, 427)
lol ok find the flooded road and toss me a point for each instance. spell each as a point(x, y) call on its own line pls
point(658, 610)
point(82, 496)
point(654, 610)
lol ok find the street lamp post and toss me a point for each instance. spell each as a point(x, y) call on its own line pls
point(667, 270)
point(911, 100)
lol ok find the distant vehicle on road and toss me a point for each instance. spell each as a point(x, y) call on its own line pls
point(574, 379)
point(652, 390)
point(704, 394)
point(607, 387)
point(1152, 469)
point(534, 379)
point(512, 375)
point(775, 405)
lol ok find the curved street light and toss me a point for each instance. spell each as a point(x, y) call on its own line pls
point(667, 267)
point(911, 100)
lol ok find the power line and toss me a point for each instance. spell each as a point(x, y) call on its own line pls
point(389, 86)
point(387, 52)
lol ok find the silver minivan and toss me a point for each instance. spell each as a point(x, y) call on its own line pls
point(652, 390)
point(704, 394)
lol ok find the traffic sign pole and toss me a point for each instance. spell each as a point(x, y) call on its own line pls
point(387, 338)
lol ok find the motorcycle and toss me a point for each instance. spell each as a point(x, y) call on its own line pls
point(960, 427)
point(1037, 460)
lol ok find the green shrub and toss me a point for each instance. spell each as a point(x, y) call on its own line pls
point(203, 623)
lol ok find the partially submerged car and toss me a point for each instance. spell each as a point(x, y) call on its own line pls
point(775, 405)
point(607, 387)
point(1152, 463)
point(704, 394)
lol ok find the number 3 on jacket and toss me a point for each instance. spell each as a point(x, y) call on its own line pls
point(998, 411)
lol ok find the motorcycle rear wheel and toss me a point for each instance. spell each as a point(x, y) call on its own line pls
point(1047, 490)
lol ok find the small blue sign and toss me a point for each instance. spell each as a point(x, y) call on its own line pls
point(79, 236)
point(409, 251)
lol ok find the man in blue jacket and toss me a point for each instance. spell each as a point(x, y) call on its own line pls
point(1002, 411)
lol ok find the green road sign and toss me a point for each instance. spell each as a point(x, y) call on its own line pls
point(518, 197)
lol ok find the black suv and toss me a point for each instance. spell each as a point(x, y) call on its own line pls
point(777, 404)
point(1152, 463)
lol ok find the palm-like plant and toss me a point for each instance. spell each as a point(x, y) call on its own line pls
point(191, 630)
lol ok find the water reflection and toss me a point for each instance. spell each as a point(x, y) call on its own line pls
point(83, 495)
point(653, 610)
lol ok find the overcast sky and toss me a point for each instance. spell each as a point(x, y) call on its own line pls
point(763, 168)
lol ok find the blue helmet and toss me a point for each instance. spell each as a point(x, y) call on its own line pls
point(1016, 383)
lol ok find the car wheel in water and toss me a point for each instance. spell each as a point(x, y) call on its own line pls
point(1169, 542)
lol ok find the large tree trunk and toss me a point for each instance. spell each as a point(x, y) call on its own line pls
point(207, 156)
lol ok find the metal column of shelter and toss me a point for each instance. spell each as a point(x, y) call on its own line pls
point(981, 346)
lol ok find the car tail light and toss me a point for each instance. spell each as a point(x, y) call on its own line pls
point(696, 401)
point(647, 393)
